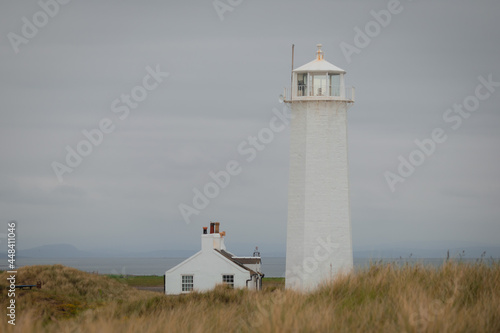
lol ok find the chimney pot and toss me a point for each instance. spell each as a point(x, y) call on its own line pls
point(204, 230)
point(212, 227)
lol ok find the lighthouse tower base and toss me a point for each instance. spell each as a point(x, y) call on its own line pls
point(319, 244)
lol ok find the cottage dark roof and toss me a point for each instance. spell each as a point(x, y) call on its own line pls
point(241, 261)
point(247, 261)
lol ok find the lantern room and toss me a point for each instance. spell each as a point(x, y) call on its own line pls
point(320, 80)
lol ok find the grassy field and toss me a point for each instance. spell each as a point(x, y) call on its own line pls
point(139, 280)
point(383, 298)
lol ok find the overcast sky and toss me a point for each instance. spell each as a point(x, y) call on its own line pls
point(226, 69)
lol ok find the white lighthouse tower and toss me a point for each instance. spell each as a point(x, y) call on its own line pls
point(319, 244)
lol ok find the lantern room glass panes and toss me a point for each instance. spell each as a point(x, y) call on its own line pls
point(302, 84)
point(324, 84)
point(334, 84)
point(319, 85)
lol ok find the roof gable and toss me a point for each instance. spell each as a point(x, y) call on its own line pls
point(220, 254)
point(179, 265)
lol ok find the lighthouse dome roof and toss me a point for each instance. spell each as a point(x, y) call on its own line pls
point(319, 65)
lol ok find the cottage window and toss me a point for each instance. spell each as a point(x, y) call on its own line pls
point(228, 279)
point(187, 283)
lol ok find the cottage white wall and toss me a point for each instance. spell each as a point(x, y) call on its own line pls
point(207, 268)
point(254, 267)
point(319, 242)
point(254, 284)
point(212, 241)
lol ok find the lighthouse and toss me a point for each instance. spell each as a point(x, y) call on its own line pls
point(319, 243)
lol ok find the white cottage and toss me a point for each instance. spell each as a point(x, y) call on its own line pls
point(214, 265)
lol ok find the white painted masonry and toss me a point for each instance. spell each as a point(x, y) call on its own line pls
point(208, 266)
point(319, 242)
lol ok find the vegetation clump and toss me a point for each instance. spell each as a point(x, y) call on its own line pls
point(455, 297)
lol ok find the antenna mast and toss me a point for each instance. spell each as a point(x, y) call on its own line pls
point(291, 75)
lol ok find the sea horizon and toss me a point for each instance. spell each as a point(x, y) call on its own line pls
point(271, 266)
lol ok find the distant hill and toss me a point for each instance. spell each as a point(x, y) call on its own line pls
point(53, 251)
point(70, 251)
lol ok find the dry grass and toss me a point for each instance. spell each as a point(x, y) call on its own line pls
point(382, 298)
point(139, 280)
